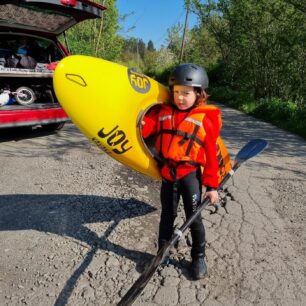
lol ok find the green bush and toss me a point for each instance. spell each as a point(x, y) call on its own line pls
point(160, 76)
point(284, 114)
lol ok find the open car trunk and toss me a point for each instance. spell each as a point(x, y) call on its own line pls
point(26, 69)
point(47, 17)
point(29, 53)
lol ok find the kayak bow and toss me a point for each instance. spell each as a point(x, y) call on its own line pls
point(106, 101)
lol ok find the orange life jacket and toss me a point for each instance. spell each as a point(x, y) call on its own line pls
point(186, 142)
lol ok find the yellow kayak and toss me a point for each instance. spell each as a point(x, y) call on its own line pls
point(107, 101)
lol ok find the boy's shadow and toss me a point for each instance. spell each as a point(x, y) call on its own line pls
point(66, 215)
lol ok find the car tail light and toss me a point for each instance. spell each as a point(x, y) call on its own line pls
point(68, 2)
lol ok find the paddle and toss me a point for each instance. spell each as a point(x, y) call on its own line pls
point(251, 149)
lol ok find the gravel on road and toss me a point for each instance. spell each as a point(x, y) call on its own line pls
point(78, 228)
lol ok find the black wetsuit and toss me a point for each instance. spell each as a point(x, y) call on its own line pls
point(189, 187)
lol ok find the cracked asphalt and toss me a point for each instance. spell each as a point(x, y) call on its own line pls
point(77, 228)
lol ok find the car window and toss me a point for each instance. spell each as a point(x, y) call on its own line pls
point(42, 50)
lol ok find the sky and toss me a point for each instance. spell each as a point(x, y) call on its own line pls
point(152, 18)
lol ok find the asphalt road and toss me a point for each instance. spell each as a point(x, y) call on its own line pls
point(77, 228)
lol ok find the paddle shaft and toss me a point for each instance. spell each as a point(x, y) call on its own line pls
point(139, 285)
point(251, 149)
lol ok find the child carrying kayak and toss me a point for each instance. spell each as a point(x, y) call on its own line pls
point(186, 131)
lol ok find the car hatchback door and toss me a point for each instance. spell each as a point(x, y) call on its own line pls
point(48, 17)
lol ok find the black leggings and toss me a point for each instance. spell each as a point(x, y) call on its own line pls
point(189, 187)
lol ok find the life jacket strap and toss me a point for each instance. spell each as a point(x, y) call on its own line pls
point(186, 136)
point(192, 139)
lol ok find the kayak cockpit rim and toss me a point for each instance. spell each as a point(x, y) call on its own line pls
point(149, 143)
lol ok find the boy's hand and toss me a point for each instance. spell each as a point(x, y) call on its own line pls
point(212, 195)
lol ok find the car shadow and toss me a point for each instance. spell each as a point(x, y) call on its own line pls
point(67, 215)
point(22, 133)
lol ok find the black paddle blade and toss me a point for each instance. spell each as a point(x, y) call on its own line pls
point(145, 277)
point(251, 149)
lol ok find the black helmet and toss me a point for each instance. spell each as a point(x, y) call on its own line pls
point(189, 75)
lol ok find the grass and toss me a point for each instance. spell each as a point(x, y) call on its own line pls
point(283, 114)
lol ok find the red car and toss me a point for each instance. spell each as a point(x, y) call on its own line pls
point(29, 52)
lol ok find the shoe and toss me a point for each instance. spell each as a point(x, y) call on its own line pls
point(199, 268)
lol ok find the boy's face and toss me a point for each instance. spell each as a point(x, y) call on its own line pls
point(184, 96)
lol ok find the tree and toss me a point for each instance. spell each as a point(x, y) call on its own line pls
point(141, 48)
point(297, 4)
point(202, 48)
point(98, 37)
point(150, 46)
point(174, 39)
point(262, 44)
